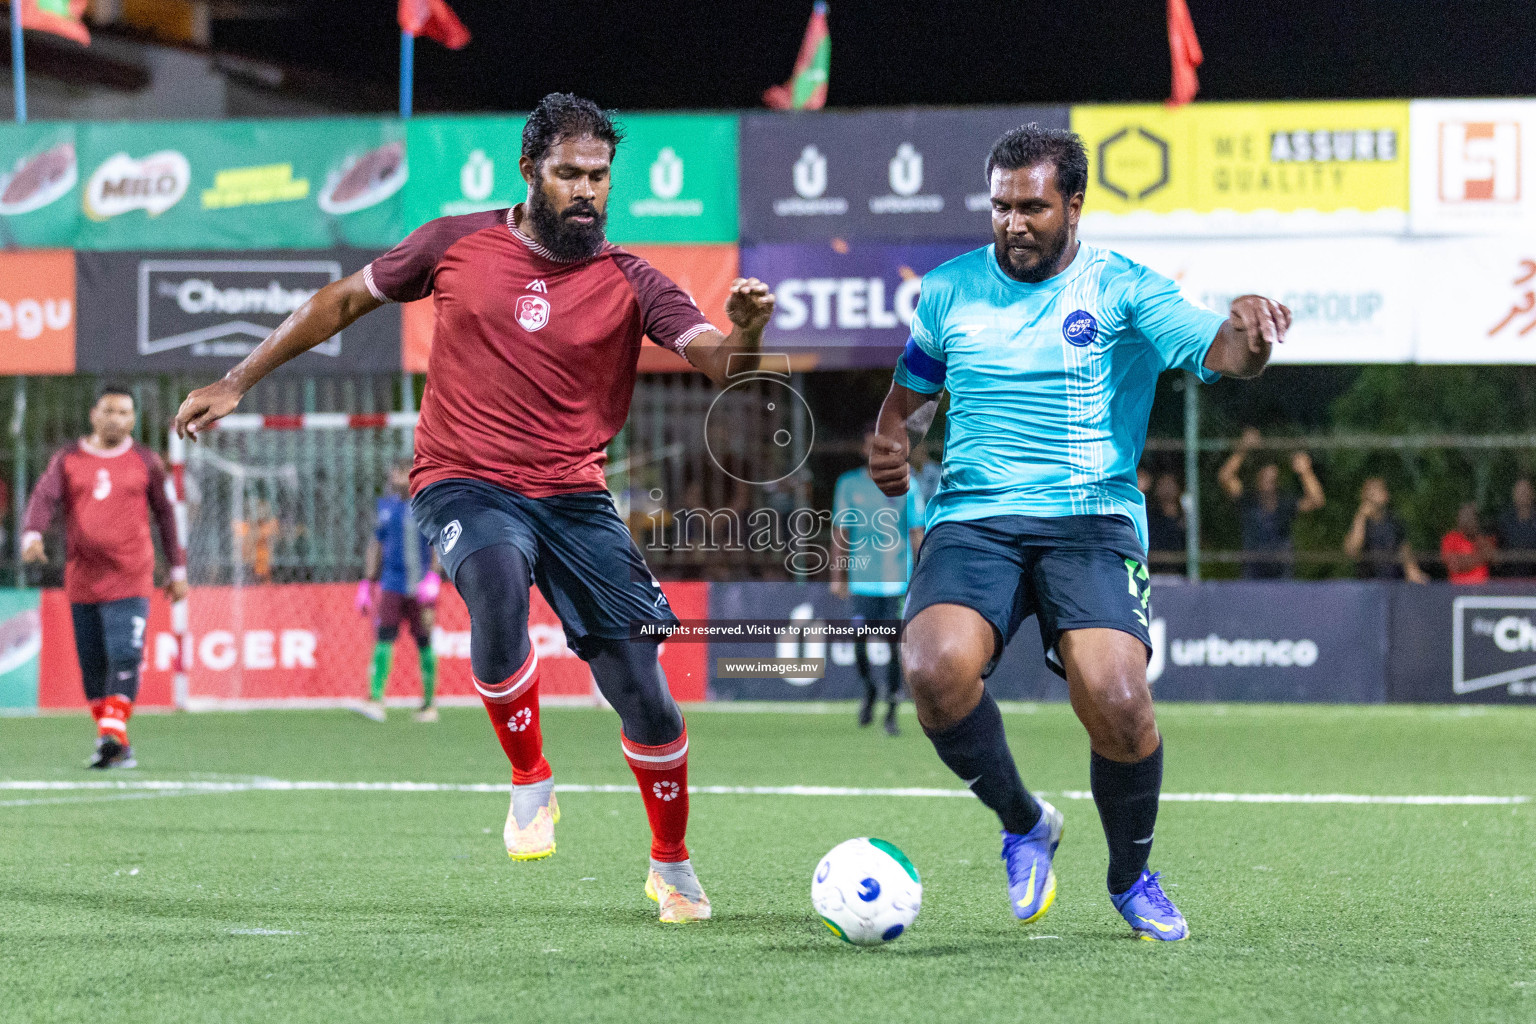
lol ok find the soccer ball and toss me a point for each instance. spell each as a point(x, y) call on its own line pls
point(866, 891)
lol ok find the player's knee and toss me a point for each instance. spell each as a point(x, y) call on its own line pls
point(387, 634)
point(937, 669)
point(1125, 727)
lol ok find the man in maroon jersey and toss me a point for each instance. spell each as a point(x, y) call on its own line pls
point(109, 486)
point(538, 324)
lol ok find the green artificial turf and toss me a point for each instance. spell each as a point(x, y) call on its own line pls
point(401, 907)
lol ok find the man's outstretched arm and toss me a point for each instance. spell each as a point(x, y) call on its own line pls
point(1253, 327)
point(905, 417)
point(750, 307)
point(327, 311)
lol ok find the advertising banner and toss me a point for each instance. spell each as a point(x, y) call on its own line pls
point(462, 165)
point(703, 271)
point(37, 311)
point(896, 174)
point(1322, 642)
point(674, 176)
point(1477, 300)
point(39, 175)
point(1353, 299)
point(674, 180)
point(313, 184)
point(1245, 168)
point(845, 304)
point(204, 312)
point(1463, 644)
point(21, 645)
point(1473, 167)
point(300, 641)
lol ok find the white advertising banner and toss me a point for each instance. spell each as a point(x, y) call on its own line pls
point(1352, 298)
point(1472, 167)
point(1477, 300)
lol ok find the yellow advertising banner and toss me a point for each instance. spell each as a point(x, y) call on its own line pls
point(1246, 158)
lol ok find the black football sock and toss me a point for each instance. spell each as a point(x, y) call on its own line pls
point(1126, 795)
point(976, 749)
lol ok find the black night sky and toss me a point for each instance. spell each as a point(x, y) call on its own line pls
point(722, 55)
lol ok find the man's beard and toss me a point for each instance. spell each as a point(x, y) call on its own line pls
point(1044, 268)
point(565, 238)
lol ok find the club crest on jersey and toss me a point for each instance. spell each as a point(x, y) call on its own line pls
point(532, 312)
point(1080, 328)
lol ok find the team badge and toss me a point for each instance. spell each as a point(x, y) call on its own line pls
point(532, 312)
point(451, 535)
point(1080, 328)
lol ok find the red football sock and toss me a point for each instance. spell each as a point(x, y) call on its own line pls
point(113, 719)
point(96, 709)
point(513, 705)
point(663, 776)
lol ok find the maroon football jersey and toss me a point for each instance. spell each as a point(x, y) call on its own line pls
point(533, 358)
point(108, 497)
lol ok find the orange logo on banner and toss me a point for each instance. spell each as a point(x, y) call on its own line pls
point(37, 311)
point(1480, 162)
point(703, 271)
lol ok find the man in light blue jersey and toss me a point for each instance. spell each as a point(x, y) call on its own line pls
point(874, 536)
point(1050, 351)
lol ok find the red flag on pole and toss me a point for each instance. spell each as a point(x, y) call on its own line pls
point(807, 85)
point(61, 17)
point(1184, 48)
point(435, 20)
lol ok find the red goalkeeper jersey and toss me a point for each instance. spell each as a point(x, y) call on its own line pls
point(109, 498)
point(533, 358)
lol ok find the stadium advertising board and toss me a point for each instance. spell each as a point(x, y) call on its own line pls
point(204, 312)
point(1245, 168)
point(39, 179)
point(306, 641)
point(898, 174)
point(1492, 318)
point(462, 165)
point(1322, 642)
point(21, 645)
point(847, 304)
point(37, 311)
point(674, 176)
point(312, 184)
point(1353, 299)
point(1473, 166)
point(703, 271)
point(1464, 644)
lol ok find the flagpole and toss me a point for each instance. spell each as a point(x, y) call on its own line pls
point(407, 71)
point(18, 63)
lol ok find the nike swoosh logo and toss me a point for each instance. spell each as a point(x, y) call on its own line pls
point(1142, 842)
point(1029, 890)
point(1155, 924)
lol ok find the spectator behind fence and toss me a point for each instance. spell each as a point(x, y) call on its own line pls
point(1517, 533)
point(1268, 516)
point(1377, 540)
point(1166, 523)
point(1467, 548)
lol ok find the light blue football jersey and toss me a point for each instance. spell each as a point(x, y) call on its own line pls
point(879, 533)
point(1050, 384)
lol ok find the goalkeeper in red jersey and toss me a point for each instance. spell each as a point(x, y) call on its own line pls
point(110, 488)
point(538, 327)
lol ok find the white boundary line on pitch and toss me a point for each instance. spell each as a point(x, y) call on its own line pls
point(147, 787)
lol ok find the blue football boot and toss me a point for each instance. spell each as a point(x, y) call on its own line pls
point(1149, 911)
point(1031, 880)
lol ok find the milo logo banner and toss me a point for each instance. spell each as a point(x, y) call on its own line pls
point(39, 179)
point(674, 177)
point(238, 184)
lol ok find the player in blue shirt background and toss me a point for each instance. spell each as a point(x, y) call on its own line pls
point(874, 536)
point(1050, 351)
point(400, 586)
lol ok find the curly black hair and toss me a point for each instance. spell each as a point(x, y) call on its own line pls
point(564, 115)
point(1029, 144)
